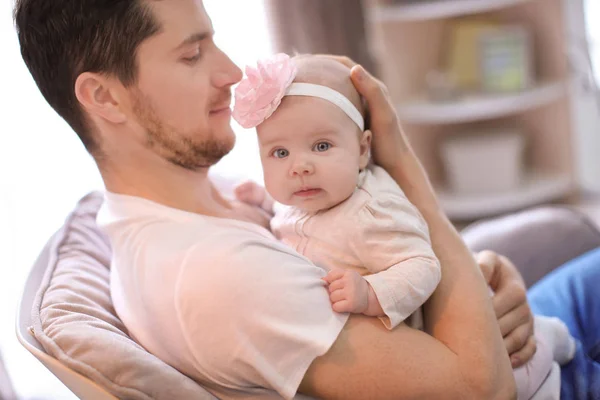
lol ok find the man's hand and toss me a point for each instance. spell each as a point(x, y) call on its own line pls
point(348, 291)
point(389, 141)
point(510, 304)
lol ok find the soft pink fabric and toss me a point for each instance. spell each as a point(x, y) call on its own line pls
point(259, 94)
point(376, 232)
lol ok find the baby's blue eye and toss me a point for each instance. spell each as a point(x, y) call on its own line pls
point(281, 153)
point(322, 146)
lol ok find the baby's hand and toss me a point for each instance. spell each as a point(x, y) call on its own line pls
point(348, 291)
point(253, 194)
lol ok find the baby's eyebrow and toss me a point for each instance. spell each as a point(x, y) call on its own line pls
point(324, 132)
point(280, 140)
point(270, 142)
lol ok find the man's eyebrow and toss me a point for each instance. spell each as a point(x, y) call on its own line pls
point(194, 38)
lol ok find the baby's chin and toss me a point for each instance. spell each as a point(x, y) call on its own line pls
point(318, 205)
point(305, 206)
point(310, 209)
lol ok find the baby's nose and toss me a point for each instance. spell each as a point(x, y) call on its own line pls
point(302, 167)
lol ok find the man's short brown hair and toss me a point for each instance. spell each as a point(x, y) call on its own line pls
point(60, 39)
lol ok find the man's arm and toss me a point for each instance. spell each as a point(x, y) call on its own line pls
point(367, 361)
point(464, 357)
point(459, 313)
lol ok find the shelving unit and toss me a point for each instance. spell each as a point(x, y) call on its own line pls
point(479, 107)
point(536, 188)
point(408, 40)
point(428, 10)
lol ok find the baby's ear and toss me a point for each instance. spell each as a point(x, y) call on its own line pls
point(365, 149)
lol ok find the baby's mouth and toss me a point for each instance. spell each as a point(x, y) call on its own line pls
point(307, 192)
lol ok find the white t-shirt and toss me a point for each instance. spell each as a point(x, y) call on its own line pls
point(376, 232)
point(220, 300)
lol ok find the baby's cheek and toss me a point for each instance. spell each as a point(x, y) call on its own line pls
point(336, 194)
point(274, 185)
point(346, 185)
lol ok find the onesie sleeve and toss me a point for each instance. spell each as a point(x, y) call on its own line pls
point(392, 242)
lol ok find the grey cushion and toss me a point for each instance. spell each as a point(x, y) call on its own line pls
point(6, 389)
point(75, 322)
point(536, 240)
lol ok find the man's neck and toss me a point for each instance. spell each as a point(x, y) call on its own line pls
point(157, 180)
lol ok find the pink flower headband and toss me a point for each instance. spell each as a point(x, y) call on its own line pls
point(260, 93)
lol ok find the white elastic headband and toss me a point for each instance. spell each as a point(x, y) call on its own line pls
point(326, 93)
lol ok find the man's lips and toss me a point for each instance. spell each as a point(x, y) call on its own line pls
point(308, 192)
point(222, 106)
point(221, 110)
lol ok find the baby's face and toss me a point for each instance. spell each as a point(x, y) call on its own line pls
point(311, 153)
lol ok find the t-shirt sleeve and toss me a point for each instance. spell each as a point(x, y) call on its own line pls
point(392, 241)
point(255, 314)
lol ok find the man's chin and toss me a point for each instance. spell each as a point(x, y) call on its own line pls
point(220, 149)
point(209, 154)
point(227, 142)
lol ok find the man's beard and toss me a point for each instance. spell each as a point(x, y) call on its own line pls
point(177, 148)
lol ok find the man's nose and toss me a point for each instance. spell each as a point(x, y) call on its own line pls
point(227, 73)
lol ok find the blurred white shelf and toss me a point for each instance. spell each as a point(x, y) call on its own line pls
point(436, 9)
point(481, 106)
point(536, 189)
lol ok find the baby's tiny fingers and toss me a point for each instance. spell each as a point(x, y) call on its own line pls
point(243, 193)
point(341, 306)
point(336, 285)
point(337, 296)
point(333, 275)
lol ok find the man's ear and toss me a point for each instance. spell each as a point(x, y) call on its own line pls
point(98, 96)
point(365, 149)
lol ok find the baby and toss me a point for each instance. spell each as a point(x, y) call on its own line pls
point(346, 215)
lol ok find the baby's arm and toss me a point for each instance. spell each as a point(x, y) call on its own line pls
point(392, 241)
point(350, 292)
point(404, 287)
point(253, 194)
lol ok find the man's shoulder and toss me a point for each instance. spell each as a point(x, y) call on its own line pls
point(166, 234)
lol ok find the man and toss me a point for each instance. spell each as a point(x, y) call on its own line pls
point(195, 278)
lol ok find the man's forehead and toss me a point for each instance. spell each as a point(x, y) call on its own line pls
point(180, 19)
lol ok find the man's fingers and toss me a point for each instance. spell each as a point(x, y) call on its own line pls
point(510, 305)
point(510, 268)
point(365, 83)
point(521, 357)
point(517, 339)
point(516, 317)
point(487, 261)
point(512, 295)
point(348, 62)
point(368, 86)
